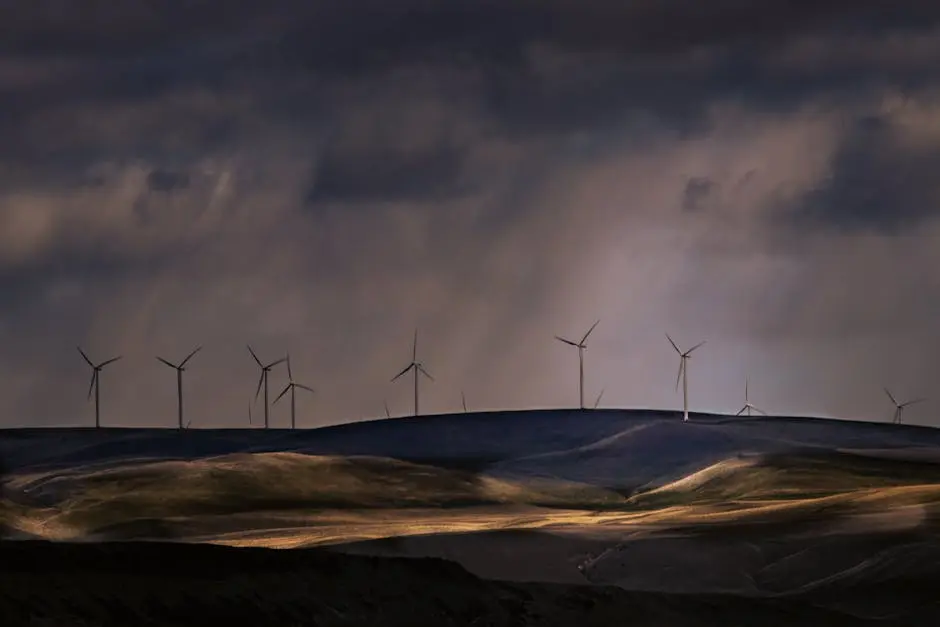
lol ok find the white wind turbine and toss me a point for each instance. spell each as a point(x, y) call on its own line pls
point(581, 346)
point(747, 403)
point(683, 374)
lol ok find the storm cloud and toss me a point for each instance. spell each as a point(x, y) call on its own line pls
point(324, 177)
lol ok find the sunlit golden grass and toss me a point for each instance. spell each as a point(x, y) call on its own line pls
point(289, 500)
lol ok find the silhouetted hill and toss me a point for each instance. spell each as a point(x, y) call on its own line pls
point(160, 585)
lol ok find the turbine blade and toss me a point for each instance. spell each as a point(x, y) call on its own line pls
point(746, 395)
point(679, 374)
point(167, 363)
point(741, 411)
point(597, 401)
point(290, 374)
point(702, 343)
point(91, 386)
point(85, 356)
point(584, 339)
point(673, 344)
point(260, 381)
point(561, 339)
point(409, 367)
point(274, 363)
point(304, 387)
point(425, 372)
point(283, 392)
point(190, 356)
point(414, 347)
point(110, 361)
point(916, 400)
point(258, 361)
point(759, 411)
point(891, 396)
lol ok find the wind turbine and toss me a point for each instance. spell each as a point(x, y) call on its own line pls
point(597, 401)
point(899, 407)
point(580, 346)
point(95, 383)
point(684, 375)
point(417, 367)
point(747, 403)
point(292, 385)
point(265, 369)
point(179, 381)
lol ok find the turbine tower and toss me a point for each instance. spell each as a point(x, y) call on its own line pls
point(580, 346)
point(265, 369)
point(179, 381)
point(747, 403)
point(684, 375)
point(96, 383)
point(292, 385)
point(899, 407)
point(417, 367)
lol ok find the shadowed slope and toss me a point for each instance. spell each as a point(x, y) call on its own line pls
point(473, 441)
point(115, 585)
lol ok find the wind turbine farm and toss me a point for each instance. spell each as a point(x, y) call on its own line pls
point(418, 370)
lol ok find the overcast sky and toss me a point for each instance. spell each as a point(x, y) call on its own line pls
point(324, 176)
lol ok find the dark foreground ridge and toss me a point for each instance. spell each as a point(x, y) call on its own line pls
point(181, 585)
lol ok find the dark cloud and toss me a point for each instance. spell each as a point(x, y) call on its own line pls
point(881, 179)
point(661, 56)
point(165, 180)
point(697, 191)
point(388, 176)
